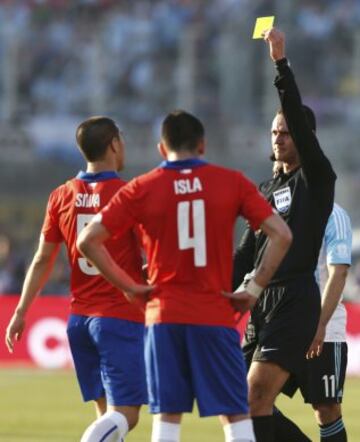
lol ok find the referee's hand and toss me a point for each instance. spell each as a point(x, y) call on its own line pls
point(276, 40)
point(241, 301)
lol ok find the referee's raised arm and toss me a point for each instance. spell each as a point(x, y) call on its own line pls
point(300, 119)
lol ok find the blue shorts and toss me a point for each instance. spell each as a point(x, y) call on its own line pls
point(184, 362)
point(108, 355)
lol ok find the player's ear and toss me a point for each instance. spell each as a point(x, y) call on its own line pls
point(162, 149)
point(112, 145)
point(201, 147)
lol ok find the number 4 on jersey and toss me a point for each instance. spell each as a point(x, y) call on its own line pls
point(198, 240)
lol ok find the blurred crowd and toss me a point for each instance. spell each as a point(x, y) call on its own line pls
point(136, 59)
point(122, 55)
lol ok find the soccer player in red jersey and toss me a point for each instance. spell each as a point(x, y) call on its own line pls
point(105, 331)
point(186, 211)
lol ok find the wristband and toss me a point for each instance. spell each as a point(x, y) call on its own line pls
point(254, 289)
point(282, 62)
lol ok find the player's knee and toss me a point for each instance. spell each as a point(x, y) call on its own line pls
point(327, 413)
point(131, 414)
point(133, 420)
point(259, 397)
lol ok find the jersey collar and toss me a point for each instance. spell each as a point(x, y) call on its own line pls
point(183, 164)
point(97, 177)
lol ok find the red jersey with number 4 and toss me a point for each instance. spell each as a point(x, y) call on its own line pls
point(70, 207)
point(186, 211)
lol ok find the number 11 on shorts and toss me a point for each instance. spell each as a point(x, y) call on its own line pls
point(198, 240)
point(329, 384)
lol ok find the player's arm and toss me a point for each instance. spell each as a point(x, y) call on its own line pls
point(36, 276)
point(279, 241)
point(91, 244)
point(316, 166)
point(338, 243)
point(243, 261)
point(330, 299)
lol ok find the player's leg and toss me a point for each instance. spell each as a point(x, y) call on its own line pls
point(120, 348)
point(168, 378)
point(324, 390)
point(237, 428)
point(265, 381)
point(287, 321)
point(218, 372)
point(329, 419)
point(166, 427)
point(286, 430)
point(100, 406)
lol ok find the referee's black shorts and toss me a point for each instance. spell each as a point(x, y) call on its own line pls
point(283, 323)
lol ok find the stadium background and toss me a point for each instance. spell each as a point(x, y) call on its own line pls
point(134, 60)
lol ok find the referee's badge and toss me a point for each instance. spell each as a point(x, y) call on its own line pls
point(282, 199)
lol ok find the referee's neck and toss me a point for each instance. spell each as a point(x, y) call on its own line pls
point(290, 167)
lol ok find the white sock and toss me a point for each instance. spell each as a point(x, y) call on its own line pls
point(165, 432)
point(241, 431)
point(111, 427)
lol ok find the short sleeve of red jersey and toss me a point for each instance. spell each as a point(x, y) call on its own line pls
point(50, 229)
point(254, 206)
point(119, 215)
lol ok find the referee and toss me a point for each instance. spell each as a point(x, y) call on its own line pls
point(285, 317)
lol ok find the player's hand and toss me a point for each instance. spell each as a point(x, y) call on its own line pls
point(317, 344)
point(276, 40)
point(139, 293)
point(241, 301)
point(14, 331)
point(144, 270)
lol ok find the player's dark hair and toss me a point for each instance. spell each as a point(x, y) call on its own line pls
point(182, 131)
point(310, 116)
point(94, 135)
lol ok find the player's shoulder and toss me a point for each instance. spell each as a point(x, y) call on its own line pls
point(339, 211)
point(339, 217)
point(339, 224)
point(147, 179)
point(216, 169)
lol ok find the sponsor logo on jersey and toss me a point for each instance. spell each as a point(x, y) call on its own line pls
point(182, 187)
point(282, 199)
point(87, 200)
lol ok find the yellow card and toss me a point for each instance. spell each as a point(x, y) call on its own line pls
point(262, 24)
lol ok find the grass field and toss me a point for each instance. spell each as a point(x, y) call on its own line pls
point(38, 406)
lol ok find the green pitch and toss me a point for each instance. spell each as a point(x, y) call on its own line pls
point(39, 406)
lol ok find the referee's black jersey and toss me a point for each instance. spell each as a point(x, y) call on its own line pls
point(304, 198)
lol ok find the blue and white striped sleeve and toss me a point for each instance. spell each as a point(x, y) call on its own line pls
point(338, 237)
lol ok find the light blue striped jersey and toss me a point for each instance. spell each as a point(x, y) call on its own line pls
point(335, 249)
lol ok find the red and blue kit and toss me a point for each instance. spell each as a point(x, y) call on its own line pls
point(103, 325)
point(186, 212)
point(70, 208)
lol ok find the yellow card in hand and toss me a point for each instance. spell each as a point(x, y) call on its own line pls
point(262, 24)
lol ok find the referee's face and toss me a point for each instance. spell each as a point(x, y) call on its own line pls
point(282, 144)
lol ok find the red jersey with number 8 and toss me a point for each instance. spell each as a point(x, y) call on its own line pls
point(70, 208)
point(186, 211)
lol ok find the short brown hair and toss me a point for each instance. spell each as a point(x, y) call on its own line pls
point(182, 131)
point(94, 135)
